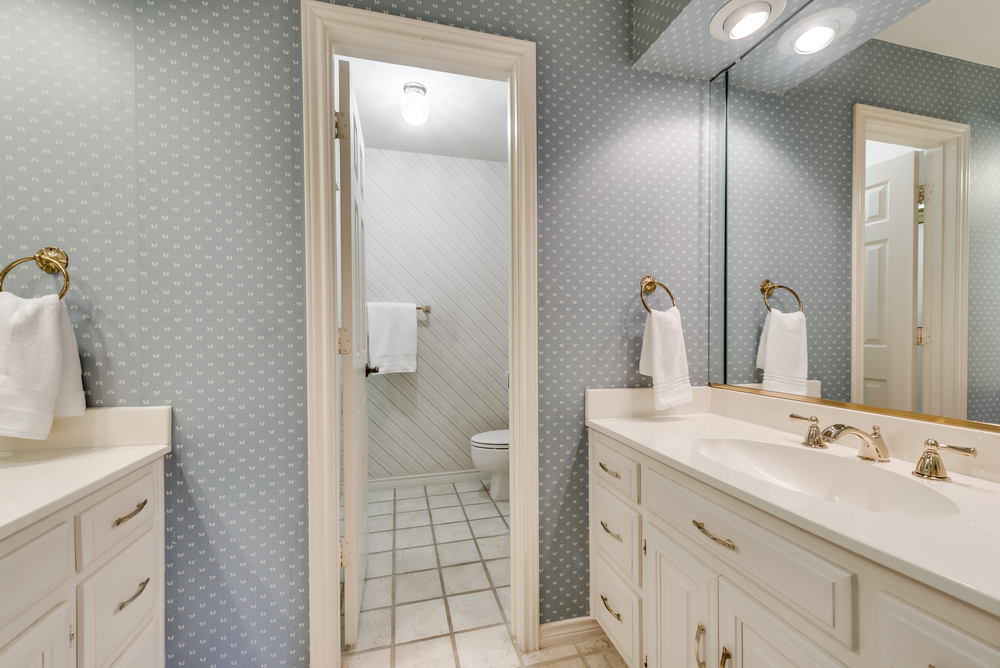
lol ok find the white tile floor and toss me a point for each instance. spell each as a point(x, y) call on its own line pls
point(438, 588)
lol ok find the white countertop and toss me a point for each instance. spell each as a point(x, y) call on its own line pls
point(36, 483)
point(959, 555)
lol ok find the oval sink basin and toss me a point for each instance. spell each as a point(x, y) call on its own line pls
point(850, 482)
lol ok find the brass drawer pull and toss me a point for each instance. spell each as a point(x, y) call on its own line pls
point(697, 646)
point(616, 536)
point(611, 473)
point(721, 541)
point(125, 604)
point(138, 509)
point(605, 600)
point(725, 657)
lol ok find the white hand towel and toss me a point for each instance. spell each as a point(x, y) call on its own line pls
point(786, 361)
point(39, 366)
point(664, 357)
point(392, 337)
point(762, 348)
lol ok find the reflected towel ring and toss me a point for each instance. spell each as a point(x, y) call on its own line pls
point(647, 286)
point(767, 287)
point(50, 260)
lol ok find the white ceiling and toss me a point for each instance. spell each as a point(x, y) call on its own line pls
point(965, 29)
point(468, 116)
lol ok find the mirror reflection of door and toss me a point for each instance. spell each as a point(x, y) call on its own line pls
point(890, 283)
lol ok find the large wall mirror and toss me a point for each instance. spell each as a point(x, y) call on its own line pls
point(859, 176)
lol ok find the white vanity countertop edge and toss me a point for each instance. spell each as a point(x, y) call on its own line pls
point(957, 555)
point(36, 483)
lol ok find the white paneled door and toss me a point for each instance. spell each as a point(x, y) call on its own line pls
point(890, 284)
point(354, 351)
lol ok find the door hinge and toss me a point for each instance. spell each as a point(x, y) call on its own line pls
point(340, 546)
point(922, 193)
point(340, 125)
point(645, 661)
point(343, 341)
point(921, 340)
point(72, 635)
point(644, 546)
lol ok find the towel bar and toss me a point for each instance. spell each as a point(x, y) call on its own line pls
point(647, 286)
point(50, 260)
point(767, 288)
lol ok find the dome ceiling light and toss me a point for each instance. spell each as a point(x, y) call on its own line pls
point(739, 19)
point(414, 106)
point(816, 32)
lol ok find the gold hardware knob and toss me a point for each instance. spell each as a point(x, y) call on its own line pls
point(725, 657)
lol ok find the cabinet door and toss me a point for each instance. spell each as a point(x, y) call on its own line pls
point(45, 644)
point(681, 596)
point(911, 638)
point(752, 637)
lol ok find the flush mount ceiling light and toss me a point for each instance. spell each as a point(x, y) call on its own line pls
point(742, 18)
point(413, 106)
point(816, 32)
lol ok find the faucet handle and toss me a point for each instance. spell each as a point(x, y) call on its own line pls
point(812, 438)
point(931, 466)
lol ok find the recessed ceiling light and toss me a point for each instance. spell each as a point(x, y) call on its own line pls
point(741, 18)
point(815, 39)
point(817, 32)
point(414, 106)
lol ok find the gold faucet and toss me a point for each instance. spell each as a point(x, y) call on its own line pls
point(872, 446)
point(930, 465)
point(812, 438)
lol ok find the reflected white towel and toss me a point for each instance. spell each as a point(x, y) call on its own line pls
point(40, 374)
point(664, 357)
point(392, 337)
point(762, 348)
point(786, 352)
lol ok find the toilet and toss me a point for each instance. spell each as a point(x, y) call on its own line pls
point(490, 454)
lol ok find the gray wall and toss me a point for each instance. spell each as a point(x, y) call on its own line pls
point(789, 215)
point(437, 232)
point(193, 295)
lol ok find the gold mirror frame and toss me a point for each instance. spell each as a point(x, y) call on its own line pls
point(891, 412)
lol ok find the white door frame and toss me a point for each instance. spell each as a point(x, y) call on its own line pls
point(948, 298)
point(328, 29)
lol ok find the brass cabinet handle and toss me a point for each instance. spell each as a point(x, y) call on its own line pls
point(605, 599)
point(125, 604)
point(697, 646)
point(616, 536)
point(138, 509)
point(721, 541)
point(611, 473)
point(725, 657)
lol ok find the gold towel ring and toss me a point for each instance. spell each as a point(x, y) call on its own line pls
point(647, 286)
point(49, 259)
point(767, 287)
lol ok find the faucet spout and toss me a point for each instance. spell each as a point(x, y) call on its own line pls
point(872, 446)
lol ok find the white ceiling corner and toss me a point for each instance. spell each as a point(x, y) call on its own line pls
point(964, 29)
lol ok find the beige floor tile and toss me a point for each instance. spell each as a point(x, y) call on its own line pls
point(503, 593)
point(462, 552)
point(499, 572)
point(448, 533)
point(549, 654)
point(460, 579)
point(416, 559)
point(408, 505)
point(469, 498)
point(475, 486)
point(487, 648)
point(374, 629)
point(380, 523)
point(435, 490)
point(378, 659)
point(593, 645)
point(446, 515)
point(436, 653)
point(379, 564)
point(416, 621)
point(568, 663)
point(481, 511)
point(483, 528)
point(377, 593)
point(418, 586)
point(415, 537)
point(380, 495)
point(409, 492)
point(380, 542)
point(417, 518)
point(380, 508)
point(470, 611)
point(504, 507)
point(607, 659)
point(443, 501)
point(494, 547)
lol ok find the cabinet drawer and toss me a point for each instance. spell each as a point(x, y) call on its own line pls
point(141, 652)
point(618, 612)
point(822, 591)
point(614, 468)
point(616, 532)
point(45, 644)
point(114, 519)
point(29, 570)
point(912, 638)
point(113, 603)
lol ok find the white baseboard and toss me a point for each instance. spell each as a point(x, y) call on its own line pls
point(569, 630)
point(427, 479)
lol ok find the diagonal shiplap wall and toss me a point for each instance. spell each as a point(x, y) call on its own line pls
point(438, 232)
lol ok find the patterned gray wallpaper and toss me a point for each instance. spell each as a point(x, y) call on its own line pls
point(160, 145)
point(789, 215)
point(437, 232)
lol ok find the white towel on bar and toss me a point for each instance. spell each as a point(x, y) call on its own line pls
point(664, 357)
point(784, 352)
point(392, 337)
point(40, 374)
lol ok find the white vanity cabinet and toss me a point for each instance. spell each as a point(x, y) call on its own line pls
point(723, 583)
point(83, 586)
